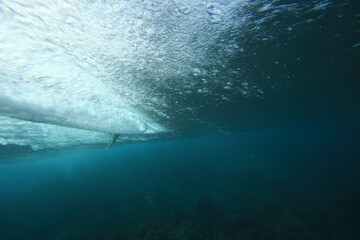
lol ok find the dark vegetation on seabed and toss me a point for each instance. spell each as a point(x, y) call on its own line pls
point(286, 183)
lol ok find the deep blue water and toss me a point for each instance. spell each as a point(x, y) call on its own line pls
point(265, 144)
point(281, 183)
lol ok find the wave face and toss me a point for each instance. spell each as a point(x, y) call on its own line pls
point(71, 72)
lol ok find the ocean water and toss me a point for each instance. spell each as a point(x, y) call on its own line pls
point(237, 119)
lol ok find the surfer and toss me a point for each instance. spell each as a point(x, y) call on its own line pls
point(113, 141)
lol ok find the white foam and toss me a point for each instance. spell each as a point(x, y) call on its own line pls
point(43, 81)
point(321, 6)
point(99, 65)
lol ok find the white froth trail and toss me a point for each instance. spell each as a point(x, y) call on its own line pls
point(44, 77)
point(81, 64)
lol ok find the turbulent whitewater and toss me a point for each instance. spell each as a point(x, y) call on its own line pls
point(74, 72)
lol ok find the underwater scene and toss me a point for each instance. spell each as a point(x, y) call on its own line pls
point(179, 120)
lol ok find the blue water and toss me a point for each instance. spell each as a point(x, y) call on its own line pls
point(238, 120)
point(283, 183)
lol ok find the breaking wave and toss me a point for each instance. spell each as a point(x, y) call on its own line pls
point(74, 72)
